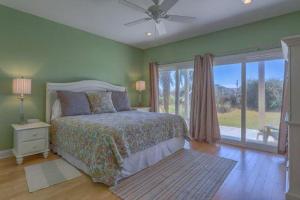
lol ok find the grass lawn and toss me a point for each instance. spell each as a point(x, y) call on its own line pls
point(233, 118)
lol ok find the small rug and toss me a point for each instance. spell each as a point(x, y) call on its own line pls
point(49, 173)
point(185, 175)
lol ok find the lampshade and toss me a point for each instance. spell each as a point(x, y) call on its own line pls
point(247, 1)
point(140, 85)
point(21, 86)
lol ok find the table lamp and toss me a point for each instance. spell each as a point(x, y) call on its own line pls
point(21, 87)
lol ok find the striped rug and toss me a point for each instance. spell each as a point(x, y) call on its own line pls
point(49, 173)
point(185, 175)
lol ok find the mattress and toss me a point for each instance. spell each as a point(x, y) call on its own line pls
point(108, 143)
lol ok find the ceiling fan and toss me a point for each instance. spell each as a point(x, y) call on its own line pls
point(157, 12)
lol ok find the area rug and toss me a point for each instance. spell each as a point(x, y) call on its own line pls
point(185, 175)
point(49, 173)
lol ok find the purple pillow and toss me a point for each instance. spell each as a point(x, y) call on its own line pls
point(121, 101)
point(73, 103)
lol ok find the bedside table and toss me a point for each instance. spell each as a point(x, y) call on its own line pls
point(30, 139)
point(142, 109)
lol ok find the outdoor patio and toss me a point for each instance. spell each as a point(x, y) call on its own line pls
point(251, 135)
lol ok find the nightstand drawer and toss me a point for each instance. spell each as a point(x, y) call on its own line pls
point(33, 134)
point(32, 146)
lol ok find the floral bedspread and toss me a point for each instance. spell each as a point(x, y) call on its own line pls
point(102, 141)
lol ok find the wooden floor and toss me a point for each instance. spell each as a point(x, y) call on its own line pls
point(257, 176)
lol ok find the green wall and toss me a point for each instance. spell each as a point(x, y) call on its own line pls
point(49, 52)
point(261, 35)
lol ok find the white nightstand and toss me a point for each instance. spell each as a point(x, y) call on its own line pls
point(143, 109)
point(30, 139)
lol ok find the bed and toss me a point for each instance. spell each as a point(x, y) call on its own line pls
point(112, 146)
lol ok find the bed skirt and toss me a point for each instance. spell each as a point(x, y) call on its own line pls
point(135, 162)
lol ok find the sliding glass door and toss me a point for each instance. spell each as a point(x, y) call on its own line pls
point(264, 97)
point(228, 100)
point(248, 91)
point(249, 97)
point(175, 88)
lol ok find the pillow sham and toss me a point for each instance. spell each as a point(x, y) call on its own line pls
point(121, 101)
point(101, 102)
point(73, 103)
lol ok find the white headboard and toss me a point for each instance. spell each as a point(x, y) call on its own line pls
point(80, 86)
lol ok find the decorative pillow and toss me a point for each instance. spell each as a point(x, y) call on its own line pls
point(121, 101)
point(73, 103)
point(56, 110)
point(101, 102)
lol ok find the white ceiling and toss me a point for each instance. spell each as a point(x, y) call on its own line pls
point(106, 17)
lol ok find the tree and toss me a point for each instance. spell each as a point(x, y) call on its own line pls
point(273, 93)
point(167, 81)
point(274, 90)
point(252, 94)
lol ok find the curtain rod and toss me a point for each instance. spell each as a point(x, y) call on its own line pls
point(228, 53)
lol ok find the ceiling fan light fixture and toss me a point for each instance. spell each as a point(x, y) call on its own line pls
point(148, 34)
point(247, 2)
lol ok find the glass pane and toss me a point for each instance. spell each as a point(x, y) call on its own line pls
point(185, 92)
point(253, 121)
point(264, 98)
point(167, 86)
point(228, 99)
point(274, 77)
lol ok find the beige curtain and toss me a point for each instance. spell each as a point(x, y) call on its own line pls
point(283, 128)
point(153, 71)
point(204, 125)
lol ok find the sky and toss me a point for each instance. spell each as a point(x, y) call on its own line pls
point(228, 75)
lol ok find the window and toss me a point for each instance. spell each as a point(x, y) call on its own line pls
point(175, 88)
point(249, 91)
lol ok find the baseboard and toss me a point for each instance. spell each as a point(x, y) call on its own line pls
point(6, 153)
point(292, 196)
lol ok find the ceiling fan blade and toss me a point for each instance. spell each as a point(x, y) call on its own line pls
point(156, 2)
point(133, 6)
point(139, 21)
point(167, 4)
point(161, 28)
point(181, 19)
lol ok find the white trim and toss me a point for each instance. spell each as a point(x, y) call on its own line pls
point(79, 86)
point(254, 56)
point(249, 57)
point(6, 153)
point(179, 65)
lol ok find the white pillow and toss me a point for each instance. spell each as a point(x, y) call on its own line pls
point(56, 110)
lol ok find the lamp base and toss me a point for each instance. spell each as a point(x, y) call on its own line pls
point(22, 115)
point(140, 99)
